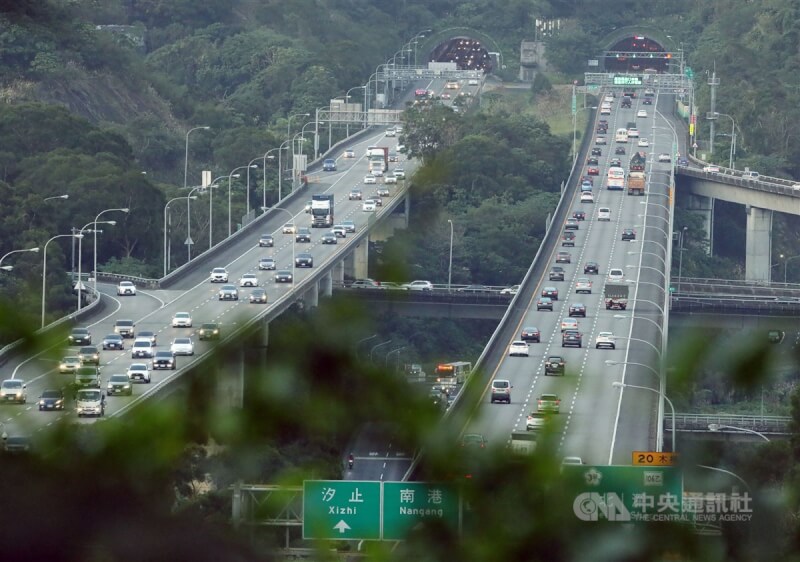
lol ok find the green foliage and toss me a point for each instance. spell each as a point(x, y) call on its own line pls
point(541, 84)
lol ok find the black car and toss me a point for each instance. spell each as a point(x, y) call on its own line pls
point(591, 267)
point(568, 238)
point(329, 238)
point(266, 241)
point(571, 338)
point(619, 150)
point(628, 234)
point(577, 309)
point(597, 152)
point(89, 355)
point(113, 341)
point(80, 336)
point(579, 215)
point(303, 235)
point(51, 400)
point(550, 292)
point(209, 331)
point(615, 163)
point(554, 365)
point(544, 303)
point(283, 276)
point(592, 161)
point(303, 260)
point(164, 360)
point(530, 333)
point(647, 101)
point(258, 296)
point(556, 273)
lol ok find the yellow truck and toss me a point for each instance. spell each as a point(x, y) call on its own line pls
point(636, 183)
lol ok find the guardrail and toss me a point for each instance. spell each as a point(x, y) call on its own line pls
point(728, 176)
point(700, 284)
point(769, 425)
point(733, 304)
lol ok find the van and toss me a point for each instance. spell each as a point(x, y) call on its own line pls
point(501, 391)
point(604, 214)
point(90, 402)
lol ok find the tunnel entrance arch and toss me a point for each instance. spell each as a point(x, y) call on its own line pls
point(439, 44)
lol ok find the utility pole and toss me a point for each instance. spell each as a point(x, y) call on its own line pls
point(712, 115)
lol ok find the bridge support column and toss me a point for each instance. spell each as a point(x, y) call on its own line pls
point(361, 259)
point(338, 272)
point(326, 285)
point(758, 244)
point(704, 206)
point(311, 296)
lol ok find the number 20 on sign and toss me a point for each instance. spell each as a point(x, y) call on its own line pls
point(652, 458)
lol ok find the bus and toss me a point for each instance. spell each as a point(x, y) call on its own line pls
point(450, 375)
point(616, 179)
point(621, 135)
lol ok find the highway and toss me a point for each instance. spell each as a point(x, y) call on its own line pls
point(595, 422)
point(193, 293)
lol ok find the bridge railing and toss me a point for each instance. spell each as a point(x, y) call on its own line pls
point(729, 176)
point(769, 425)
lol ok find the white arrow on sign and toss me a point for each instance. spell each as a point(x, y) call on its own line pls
point(341, 526)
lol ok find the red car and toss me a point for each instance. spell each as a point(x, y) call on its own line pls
point(592, 171)
point(551, 292)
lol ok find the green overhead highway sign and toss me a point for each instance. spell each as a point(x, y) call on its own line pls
point(625, 493)
point(408, 504)
point(341, 509)
point(627, 80)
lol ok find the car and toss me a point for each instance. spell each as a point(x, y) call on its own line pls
point(615, 163)
point(605, 340)
point(80, 336)
point(125, 328)
point(304, 260)
point(119, 385)
point(619, 150)
point(548, 403)
point(329, 165)
point(647, 101)
point(567, 461)
point(665, 157)
point(579, 215)
point(147, 334)
point(89, 355)
point(258, 296)
point(349, 226)
point(139, 372)
point(228, 293)
point(365, 284)
point(183, 319)
point(51, 399)
point(568, 324)
point(283, 276)
point(643, 142)
point(472, 289)
point(587, 197)
point(586, 186)
point(604, 214)
point(307, 207)
point(501, 391)
point(530, 333)
point(267, 264)
point(393, 156)
point(683, 161)
point(554, 365)
point(628, 234)
point(126, 288)
point(600, 140)
point(537, 420)
point(288, 228)
point(208, 331)
point(370, 179)
point(329, 238)
point(474, 440)
point(577, 309)
point(568, 238)
point(711, 169)
point(544, 303)
point(90, 402)
point(302, 235)
point(388, 179)
point(556, 273)
point(349, 153)
point(633, 133)
point(591, 267)
point(355, 194)
point(113, 341)
point(512, 290)
point(69, 364)
point(597, 151)
point(88, 377)
point(368, 206)
point(339, 231)
point(592, 161)
point(563, 257)
point(418, 285)
point(248, 280)
point(551, 292)
point(182, 346)
point(400, 173)
point(571, 338)
point(593, 171)
point(142, 347)
point(641, 113)
point(164, 360)
point(266, 241)
point(616, 275)
point(378, 200)
point(219, 275)
point(572, 224)
point(583, 285)
point(518, 348)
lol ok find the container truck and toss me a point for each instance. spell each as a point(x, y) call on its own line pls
point(321, 211)
point(616, 296)
point(638, 161)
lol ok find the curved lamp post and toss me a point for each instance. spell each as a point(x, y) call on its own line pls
point(44, 267)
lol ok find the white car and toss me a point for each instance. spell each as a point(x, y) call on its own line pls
point(139, 372)
point(267, 264)
point(518, 349)
point(472, 82)
point(349, 153)
point(339, 230)
point(418, 286)
point(370, 179)
point(569, 324)
point(664, 157)
point(583, 285)
point(390, 132)
point(288, 228)
point(643, 142)
point(711, 169)
point(600, 140)
point(182, 320)
point(378, 173)
point(616, 275)
point(13, 390)
point(390, 178)
point(248, 280)
point(512, 290)
point(142, 348)
point(633, 133)
point(219, 275)
point(126, 288)
point(369, 206)
point(399, 173)
point(604, 214)
point(587, 197)
point(537, 420)
point(641, 113)
point(605, 339)
point(182, 346)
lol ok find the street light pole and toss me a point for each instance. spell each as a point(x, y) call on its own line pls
point(97, 218)
point(44, 267)
point(230, 182)
point(251, 165)
point(617, 384)
point(450, 266)
point(717, 426)
point(786, 266)
point(680, 255)
point(372, 351)
point(289, 122)
point(186, 157)
point(10, 267)
point(80, 254)
point(166, 252)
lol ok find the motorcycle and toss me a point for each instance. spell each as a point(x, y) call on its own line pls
point(350, 462)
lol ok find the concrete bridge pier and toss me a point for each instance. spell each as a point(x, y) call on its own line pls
point(360, 260)
point(311, 296)
point(326, 285)
point(758, 245)
point(337, 272)
point(704, 206)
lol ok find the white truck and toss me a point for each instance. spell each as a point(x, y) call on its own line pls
point(378, 157)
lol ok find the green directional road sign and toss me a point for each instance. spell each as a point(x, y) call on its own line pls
point(341, 509)
point(689, 72)
point(408, 504)
point(625, 493)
